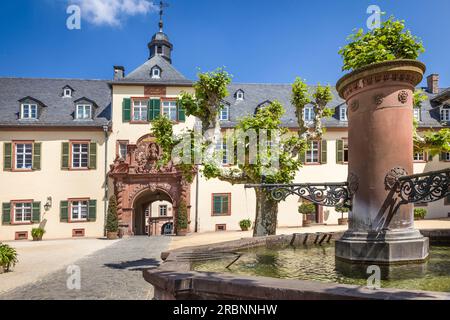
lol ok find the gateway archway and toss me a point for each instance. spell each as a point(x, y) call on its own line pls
point(139, 181)
point(152, 210)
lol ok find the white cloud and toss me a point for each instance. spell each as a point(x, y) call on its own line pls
point(112, 12)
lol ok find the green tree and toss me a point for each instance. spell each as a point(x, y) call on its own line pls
point(206, 103)
point(112, 219)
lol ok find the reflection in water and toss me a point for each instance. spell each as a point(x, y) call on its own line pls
point(318, 263)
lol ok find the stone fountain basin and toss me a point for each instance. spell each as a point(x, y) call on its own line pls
point(175, 279)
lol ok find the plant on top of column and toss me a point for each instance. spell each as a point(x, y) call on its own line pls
point(211, 89)
point(112, 219)
point(389, 42)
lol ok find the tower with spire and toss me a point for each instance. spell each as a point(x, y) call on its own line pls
point(160, 44)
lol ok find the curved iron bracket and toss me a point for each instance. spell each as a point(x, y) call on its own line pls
point(324, 194)
point(424, 187)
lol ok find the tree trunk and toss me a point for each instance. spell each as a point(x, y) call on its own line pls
point(266, 215)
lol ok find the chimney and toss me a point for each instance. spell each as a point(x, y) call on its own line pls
point(119, 72)
point(433, 83)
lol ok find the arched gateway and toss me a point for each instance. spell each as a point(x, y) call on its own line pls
point(138, 182)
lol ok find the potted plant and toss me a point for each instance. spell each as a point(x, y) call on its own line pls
point(112, 220)
point(419, 213)
point(8, 258)
point(37, 234)
point(342, 221)
point(305, 209)
point(245, 224)
point(182, 220)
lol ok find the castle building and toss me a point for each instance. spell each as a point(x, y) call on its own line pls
point(68, 145)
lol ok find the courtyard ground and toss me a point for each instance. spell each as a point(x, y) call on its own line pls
point(113, 269)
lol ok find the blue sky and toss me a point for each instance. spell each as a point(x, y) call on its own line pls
point(257, 40)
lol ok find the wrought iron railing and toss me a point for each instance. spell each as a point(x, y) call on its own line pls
point(324, 194)
point(424, 187)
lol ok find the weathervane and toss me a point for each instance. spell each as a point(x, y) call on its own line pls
point(162, 5)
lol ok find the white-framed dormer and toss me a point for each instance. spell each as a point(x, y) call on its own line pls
point(155, 73)
point(67, 92)
point(240, 95)
point(29, 109)
point(417, 114)
point(308, 114)
point(445, 113)
point(83, 111)
point(225, 113)
point(343, 113)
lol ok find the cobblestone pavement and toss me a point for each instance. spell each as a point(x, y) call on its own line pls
point(111, 273)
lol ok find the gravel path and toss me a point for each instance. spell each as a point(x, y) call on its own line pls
point(111, 273)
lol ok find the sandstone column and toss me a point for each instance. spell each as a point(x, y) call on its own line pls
point(380, 101)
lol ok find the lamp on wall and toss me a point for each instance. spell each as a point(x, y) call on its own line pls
point(48, 204)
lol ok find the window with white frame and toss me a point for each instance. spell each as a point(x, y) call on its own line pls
point(140, 110)
point(169, 109)
point(123, 150)
point(308, 114)
point(79, 210)
point(156, 73)
point(163, 210)
point(445, 114)
point(343, 114)
point(80, 155)
point(84, 111)
point(222, 150)
point(312, 154)
point(67, 93)
point(447, 156)
point(345, 149)
point(417, 114)
point(24, 156)
point(29, 111)
point(419, 156)
point(22, 212)
point(224, 113)
point(240, 95)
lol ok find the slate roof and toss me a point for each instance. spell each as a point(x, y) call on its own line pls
point(256, 94)
point(142, 74)
point(56, 111)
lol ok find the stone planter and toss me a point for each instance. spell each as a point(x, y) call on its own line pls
point(380, 100)
point(181, 233)
point(37, 238)
point(306, 223)
point(342, 221)
point(112, 235)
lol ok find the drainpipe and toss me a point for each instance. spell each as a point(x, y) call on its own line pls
point(105, 200)
point(196, 200)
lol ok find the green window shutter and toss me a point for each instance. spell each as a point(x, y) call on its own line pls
point(339, 151)
point(37, 147)
point(7, 156)
point(92, 210)
point(93, 155)
point(65, 150)
point(181, 113)
point(323, 149)
point(150, 110)
point(6, 213)
point(126, 110)
point(64, 211)
point(442, 156)
point(154, 110)
point(36, 212)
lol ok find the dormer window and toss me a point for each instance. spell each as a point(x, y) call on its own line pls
point(225, 113)
point(240, 95)
point(445, 114)
point(308, 114)
point(156, 73)
point(343, 113)
point(84, 112)
point(28, 111)
point(67, 93)
point(417, 114)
